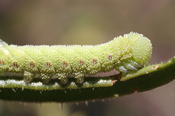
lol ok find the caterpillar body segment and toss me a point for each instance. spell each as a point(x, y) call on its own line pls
point(125, 54)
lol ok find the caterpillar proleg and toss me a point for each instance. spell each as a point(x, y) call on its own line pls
point(45, 63)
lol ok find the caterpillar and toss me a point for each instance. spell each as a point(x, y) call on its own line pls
point(45, 63)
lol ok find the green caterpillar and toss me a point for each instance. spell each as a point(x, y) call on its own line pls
point(125, 54)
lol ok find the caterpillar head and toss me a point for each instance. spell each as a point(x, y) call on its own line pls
point(133, 45)
point(141, 48)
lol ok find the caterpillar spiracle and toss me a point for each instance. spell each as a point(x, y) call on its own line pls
point(126, 54)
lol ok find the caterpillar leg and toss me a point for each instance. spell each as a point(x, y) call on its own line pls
point(133, 66)
point(79, 78)
point(45, 78)
point(129, 67)
point(61, 77)
point(28, 77)
point(122, 69)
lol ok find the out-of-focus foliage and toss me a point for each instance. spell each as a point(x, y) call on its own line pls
point(92, 22)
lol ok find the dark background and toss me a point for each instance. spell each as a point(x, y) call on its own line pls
point(92, 22)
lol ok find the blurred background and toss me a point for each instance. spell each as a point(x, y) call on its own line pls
point(92, 22)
